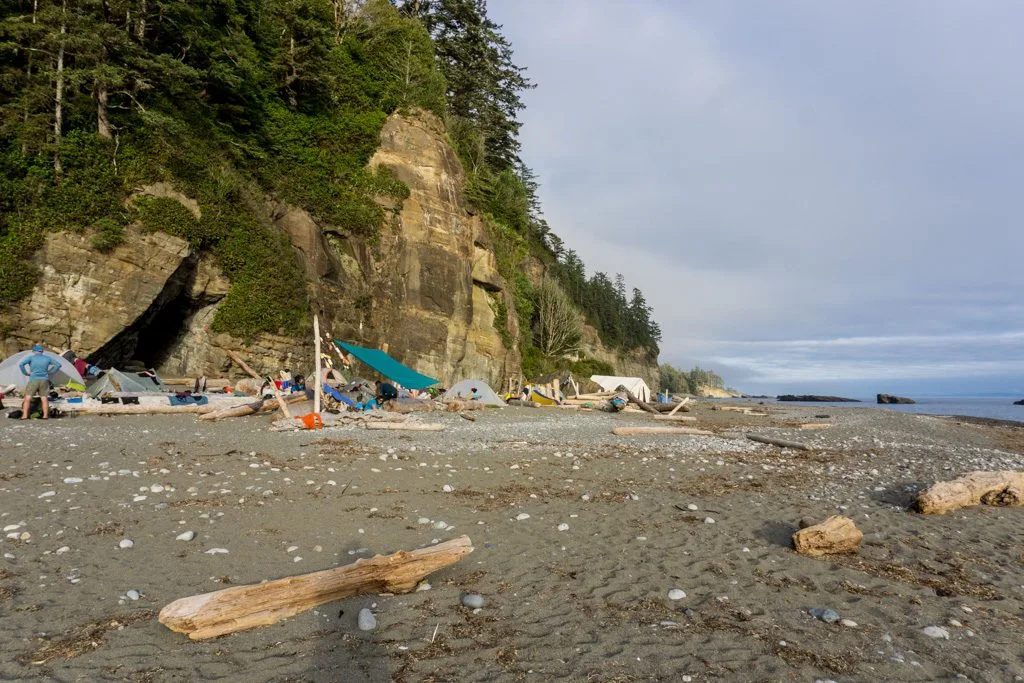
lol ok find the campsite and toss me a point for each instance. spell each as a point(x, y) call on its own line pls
point(588, 540)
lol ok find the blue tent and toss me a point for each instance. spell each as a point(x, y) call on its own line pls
point(388, 366)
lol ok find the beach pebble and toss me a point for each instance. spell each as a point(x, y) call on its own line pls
point(185, 536)
point(563, 527)
point(848, 623)
point(522, 516)
point(133, 594)
point(709, 520)
point(447, 488)
point(72, 480)
point(423, 586)
point(829, 616)
point(61, 550)
point(423, 520)
point(47, 494)
point(585, 497)
point(440, 524)
point(216, 551)
point(156, 488)
point(676, 594)
point(952, 622)
point(11, 527)
point(367, 621)
point(473, 600)
point(692, 507)
point(126, 543)
point(935, 632)
point(966, 609)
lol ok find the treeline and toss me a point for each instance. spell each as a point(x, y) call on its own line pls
point(675, 380)
point(235, 100)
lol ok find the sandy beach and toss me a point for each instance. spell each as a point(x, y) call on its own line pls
point(579, 537)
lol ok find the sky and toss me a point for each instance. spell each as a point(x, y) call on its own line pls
point(813, 196)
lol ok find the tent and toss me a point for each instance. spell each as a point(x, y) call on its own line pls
point(388, 366)
point(464, 390)
point(129, 382)
point(635, 385)
point(10, 373)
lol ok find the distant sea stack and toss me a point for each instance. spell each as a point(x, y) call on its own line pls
point(816, 399)
point(1019, 403)
point(889, 398)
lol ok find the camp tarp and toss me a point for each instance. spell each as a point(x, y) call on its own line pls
point(464, 390)
point(635, 385)
point(10, 373)
point(388, 366)
point(115, 380)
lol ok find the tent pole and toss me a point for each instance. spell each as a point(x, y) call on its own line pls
point(319, 376)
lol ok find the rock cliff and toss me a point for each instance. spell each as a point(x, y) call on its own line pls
point(427, 286)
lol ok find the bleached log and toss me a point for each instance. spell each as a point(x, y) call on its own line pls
point(680, 405)
point(646, 431)
point(407, 426)
point(675, 418)
point(781, 443)
point(243, 607)
point(837, 534)
point(814, 425)
point(119, 409)
point(1001, 489)
point(252, 373)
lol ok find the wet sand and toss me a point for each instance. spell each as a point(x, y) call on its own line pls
point(587, 603)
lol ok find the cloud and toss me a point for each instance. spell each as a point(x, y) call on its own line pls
point(787, 171)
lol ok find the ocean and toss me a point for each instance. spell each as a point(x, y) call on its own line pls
point(1000, 408)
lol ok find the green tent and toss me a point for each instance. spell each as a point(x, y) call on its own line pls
point(388, 366)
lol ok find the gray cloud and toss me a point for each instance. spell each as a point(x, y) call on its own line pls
point(783, 171)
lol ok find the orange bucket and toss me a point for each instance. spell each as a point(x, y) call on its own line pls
point(312, 421)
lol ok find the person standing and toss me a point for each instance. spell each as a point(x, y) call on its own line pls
point(38, 367)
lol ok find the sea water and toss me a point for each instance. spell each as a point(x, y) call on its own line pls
point(1000, 408)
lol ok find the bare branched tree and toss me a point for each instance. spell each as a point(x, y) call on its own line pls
point(560, 325)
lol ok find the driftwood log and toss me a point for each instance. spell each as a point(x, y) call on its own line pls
point(119, 409)
point(675, 418)
point(837, 534)
point(1001, 489)
point(281, 403)
point(408, 426)
point(639, 403)
point(781, 443)
point(259, 405)
point(261, 604)
point(645, 431)
point(681, 405)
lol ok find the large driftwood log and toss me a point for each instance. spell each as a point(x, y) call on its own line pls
point(119, 409)
point(1002, 489)
point(837, 534)
point(781, 443)
point(681, 405)
point(641, 404)
point(675, 418)
point(408, 426)
point(645, 431)
point(261, 604)
point(281, 403)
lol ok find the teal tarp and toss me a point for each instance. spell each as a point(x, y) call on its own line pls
point(388, 366)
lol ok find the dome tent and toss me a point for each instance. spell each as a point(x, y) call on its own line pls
point(464, 391)
point(10, 372)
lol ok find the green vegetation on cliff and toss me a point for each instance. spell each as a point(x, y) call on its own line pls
point(233, 102)
point(675, 380)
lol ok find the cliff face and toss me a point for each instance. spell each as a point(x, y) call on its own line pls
point(635, 363)
point(428, 287)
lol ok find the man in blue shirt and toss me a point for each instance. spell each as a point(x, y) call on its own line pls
point(38, 367)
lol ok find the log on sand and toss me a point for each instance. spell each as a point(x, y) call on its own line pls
point(645, 431)
point(119, 409)
point(675, 418)
point(261, 604)
point(837, 534)
point(641, 404)
point(281, 403)
point(408, 426)
point(1001, 489)
point(781, 443)
point(259, 405)
point(680, 405)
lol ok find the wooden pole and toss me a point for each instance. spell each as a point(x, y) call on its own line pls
point(645, 431)
point(244, 607)
point(781, 443)
point(282, 404)
point(680, 405)
point(319, 376)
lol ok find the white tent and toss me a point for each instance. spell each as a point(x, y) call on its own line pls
point(10, 373)
point(636, 385)
point(464, 390)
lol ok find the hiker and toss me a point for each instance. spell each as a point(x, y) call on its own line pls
point(38, 367)
point(474, 395)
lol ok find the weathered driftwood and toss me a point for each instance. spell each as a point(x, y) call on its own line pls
point(675, 418)
point(813, 425)
point(645, 431)
point(837, 534)
point(1001, 489)
point(781, 443)
point(457, 405)
point(681, 405)
point(119, 409)
point(281, 403)
point(259, 405)
point(261, 604)
point(408, 426)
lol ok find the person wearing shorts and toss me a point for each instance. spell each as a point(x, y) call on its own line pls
point(38, 367)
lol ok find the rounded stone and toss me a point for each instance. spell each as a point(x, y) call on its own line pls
point(185, 536)
point(473, 601)
point(126, 543)
point(676, 594)
point(366, 621)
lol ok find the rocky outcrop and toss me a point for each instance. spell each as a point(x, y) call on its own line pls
point(814, 398)
point(886, 399)
point(1019, 403)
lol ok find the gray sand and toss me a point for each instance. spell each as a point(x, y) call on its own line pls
point(589, 602)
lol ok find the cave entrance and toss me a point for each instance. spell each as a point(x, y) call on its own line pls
point(151, 339)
